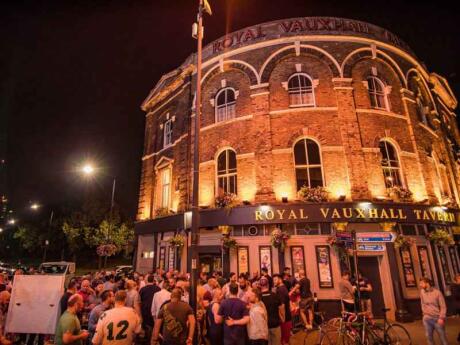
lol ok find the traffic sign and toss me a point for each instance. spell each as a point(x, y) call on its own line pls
point(371, 247)
point(375, 237)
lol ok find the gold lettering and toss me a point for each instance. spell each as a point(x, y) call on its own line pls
point(269, 214)
point(433, 215)
point(452, 217)
point(392, 213)
point(425, 215)
point(292, 215)
point(360, 213)
point(373, 213)
point(302, 215)
point(401, 214)
point(417, 213)
point(325, 212)
point(281, 213)
point(335, 214)
point(258, 215)
point(440, 216)
point(384, 214)
point(347, 212)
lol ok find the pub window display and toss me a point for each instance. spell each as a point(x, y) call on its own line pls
point(377, 93)
point(300, 89)
point(226, 172)
point(225, 104)
point(308, 167)
point(390, 165)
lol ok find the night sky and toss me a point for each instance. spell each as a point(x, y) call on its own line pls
point(74, 73)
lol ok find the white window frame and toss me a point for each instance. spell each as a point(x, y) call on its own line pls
point(308, 166)
point(302, 91)
point(167, 133)
point(165, 187)
point(374, 94)
point(228, 108)
point(397, 169)
point(226, 175)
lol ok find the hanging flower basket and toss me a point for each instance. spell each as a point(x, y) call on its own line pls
point(229, 242)
point(315, 194)
point(177, 241)
point(106, 250)
point(225, 229)
point(279, 239)
point(400, 193)
point(162, 212)
point(226, 200)
point(441, 237)
point(403, 242)
point(387, 226)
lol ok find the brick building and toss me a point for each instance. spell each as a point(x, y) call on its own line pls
point(315, 125)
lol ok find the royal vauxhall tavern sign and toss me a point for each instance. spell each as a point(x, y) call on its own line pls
point(305, 26)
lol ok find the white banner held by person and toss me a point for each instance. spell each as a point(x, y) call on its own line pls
point(34, 304)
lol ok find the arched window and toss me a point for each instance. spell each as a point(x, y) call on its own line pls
point(390, 165)
point(308, 168)
point(300, 89)
point(225, 104)
point(422, 108)
point(226, 172)
point(377, 93)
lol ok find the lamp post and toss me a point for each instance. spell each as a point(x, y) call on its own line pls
point(203, 6)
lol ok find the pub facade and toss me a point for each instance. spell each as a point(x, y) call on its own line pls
point(312, 129)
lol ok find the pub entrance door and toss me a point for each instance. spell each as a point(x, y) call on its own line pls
point(210, 262)
point(369, 268)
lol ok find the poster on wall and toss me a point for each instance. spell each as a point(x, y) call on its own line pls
point(265, 257)
point(424, 259)
point(408, 267)
point(243, 260)
point(297, 259)
point(323, 259)
point(454, 260)
point(445, 266)
point(162, 258)
point(172, 257)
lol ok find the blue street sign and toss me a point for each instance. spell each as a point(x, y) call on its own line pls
point(375, 237)
point(371, 247)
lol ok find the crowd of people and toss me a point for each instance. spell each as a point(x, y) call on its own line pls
point(105, 309)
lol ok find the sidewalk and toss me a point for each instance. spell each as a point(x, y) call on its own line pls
point(415, 330)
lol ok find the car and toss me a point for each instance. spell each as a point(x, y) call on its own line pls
point(58, 268)
point(122, 271)
point(7, 268)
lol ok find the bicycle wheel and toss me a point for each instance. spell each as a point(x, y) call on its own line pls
point(324, 339)
point(398, 335)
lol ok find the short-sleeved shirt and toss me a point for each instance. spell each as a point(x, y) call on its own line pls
point(68, 322)
point(175, 316)
point(272, 303)
point(305, 290)
point(117, 326)
point(146, 294)
point(363, 282)
point(132, 298)
point(236, 309)
point(283, 293)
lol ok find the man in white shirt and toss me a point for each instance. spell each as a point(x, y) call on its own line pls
point(160, 298)
point(119, 325)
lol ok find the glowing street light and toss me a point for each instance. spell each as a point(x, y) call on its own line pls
point(87, 169)
point(34, 206)
point(12, 221)
point(1, 230)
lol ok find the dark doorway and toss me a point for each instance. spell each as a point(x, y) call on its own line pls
point(210, 262)
point(369, 268)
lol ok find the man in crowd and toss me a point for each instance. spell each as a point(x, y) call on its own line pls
point(107, 298)
point(233, 280)
point(118, 325)
point(71, 290)
point(146, 294)
point(68, 331)
point(243, 288)
point(234, 313)
point(220, 279)
point(306, 300)
point(177, 320)
point(288, 281)
point(347, 292)
point(258, 319)
point(365, 289)
point(160, 297)
point(264, 273)
point(275, 311)
point(433, 310)
point(283, 294)
point(215, 332)
point(132, 296)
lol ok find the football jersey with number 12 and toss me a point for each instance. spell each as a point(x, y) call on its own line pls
point(117, 326)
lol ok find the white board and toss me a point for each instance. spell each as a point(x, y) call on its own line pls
point(34, 304)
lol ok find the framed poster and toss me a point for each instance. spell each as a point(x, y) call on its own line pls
point(444, 266)
point(323, 260)
point(297, 259)
point(265, 258)
point(172, 257)
point(453, 260)
point(243, 260)
point(161, 264)
point(407, 267)
point(424, 259)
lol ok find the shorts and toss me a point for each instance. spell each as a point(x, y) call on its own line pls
point(306, 303)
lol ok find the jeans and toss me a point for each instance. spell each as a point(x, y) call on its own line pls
point(431, 324)
point(274, 336)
